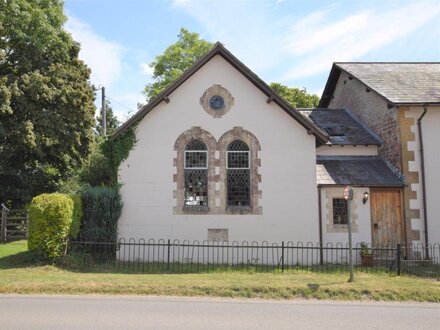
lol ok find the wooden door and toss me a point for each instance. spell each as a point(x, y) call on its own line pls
point(386, 216)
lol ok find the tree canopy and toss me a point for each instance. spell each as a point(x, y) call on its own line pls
point(46, 101)
point(175, 60)
point(297, 98)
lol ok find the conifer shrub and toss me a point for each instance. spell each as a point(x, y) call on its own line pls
point(77, 215)
point(102, 207)
point(50, 219)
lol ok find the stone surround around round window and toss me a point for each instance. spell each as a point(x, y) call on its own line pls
point(217, 101)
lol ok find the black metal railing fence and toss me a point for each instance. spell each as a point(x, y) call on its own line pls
point(174, 256)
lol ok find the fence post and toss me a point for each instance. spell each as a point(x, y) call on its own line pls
point(282, 256)
point(168, 254)
point(3, 227)
point(399, 255)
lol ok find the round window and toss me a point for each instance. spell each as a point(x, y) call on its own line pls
point(216, 102)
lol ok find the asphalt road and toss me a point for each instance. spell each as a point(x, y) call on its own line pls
point(122, 312)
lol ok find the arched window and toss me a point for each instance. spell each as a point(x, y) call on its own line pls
point(196, 173)
point(238, 174)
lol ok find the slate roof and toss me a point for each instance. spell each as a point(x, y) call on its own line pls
point(398, 83)
point(368, 171)
point(343, 128)
point(219, 49)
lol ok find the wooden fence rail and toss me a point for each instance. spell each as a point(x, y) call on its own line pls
point(14, 224)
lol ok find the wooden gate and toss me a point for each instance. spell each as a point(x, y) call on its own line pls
point(14, 224)
point(386, 217)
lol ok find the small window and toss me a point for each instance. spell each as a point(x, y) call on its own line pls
point(340, 211)
point(196, 174)
point(335, 131)
point(238, 174)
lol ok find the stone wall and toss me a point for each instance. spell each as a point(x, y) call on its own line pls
point(411, 195)
point(397, 128)
point(372, 109)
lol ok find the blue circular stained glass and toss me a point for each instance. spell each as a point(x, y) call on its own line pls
point(216, 102)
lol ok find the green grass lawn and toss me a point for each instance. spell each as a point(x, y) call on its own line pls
point(21, 273)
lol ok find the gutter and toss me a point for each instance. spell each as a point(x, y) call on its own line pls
point(422, 169)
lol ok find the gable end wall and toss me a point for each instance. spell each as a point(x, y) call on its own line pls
point(372, 110)
point(286, 200)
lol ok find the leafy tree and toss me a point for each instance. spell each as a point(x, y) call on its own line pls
point(189, 48)
point(175, 60)
point(46, 101)
point(298, 98)
point(112, 121)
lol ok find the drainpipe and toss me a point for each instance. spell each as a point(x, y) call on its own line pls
point(321, 252)
point(422, 169)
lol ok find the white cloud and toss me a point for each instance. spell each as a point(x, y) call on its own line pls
point(267, 40)
point(318, 43)
point(146, 69)
point(242, 26)
point(103, 57)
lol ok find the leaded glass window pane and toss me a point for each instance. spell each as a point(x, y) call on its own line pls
point(196, 174)
point(238, 174)
point(196, 187)
point(238, 187)
point(238, 145)
point(238, 159)
point(196, 145)
point(196, 159)
point(340, 211)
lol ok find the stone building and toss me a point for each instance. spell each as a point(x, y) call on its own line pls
point(350, 158)
point(400, 102)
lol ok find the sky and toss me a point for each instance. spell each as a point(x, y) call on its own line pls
point(287, 41)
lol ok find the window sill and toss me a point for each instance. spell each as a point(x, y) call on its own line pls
point(239, 210)
point(195, 209)
point(339, 228)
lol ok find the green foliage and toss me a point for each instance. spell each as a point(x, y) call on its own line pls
point(365, 250)
point(102, 208)
point(77, 215)
point(117, 150)
point(46, 101)
point(97, 171)
point(50, 219)
point(175, 60)
point(297, 98)
point(102, 167)
point(72, 185)
point(111, 120)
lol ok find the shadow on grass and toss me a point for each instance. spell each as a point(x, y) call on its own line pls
point(22, 260)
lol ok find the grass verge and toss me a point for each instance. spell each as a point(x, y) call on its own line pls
point(20, 273)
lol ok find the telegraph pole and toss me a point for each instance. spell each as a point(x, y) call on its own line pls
point(103, 112)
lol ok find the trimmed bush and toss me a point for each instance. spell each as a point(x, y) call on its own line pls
point(50, 219)
point(102, 208)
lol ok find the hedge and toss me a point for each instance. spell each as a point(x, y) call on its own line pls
point(50, 219)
